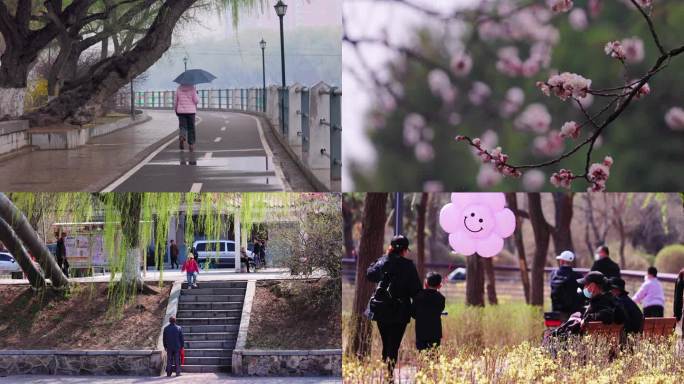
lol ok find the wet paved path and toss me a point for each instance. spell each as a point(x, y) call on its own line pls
point(231, 154)
point(87, 168)
point(187, 378)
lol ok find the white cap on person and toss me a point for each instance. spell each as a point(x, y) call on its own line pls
point(567, 256)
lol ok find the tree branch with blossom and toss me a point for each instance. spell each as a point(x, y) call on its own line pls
point(564, 86)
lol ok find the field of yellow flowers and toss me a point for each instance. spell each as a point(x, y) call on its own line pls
point(502, 344)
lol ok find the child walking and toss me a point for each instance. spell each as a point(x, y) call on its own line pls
point(192, 269)
point(427, 307)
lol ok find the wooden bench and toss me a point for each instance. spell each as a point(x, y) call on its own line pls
point(611, 331)
point(659, 326)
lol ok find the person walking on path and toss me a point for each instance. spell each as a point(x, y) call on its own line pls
point(427, 308)
point(564, 296)
point(679, 298)
point(390, 306)
point(173, 250)
point(605, 264)
point(244, 258)
point(186, 108)
point(262, 253)
point(191, 268)
point(634, 318)
point(173, 344)
point(60, 254)
point(650, 295)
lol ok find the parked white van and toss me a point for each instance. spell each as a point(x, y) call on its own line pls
point(206, 250)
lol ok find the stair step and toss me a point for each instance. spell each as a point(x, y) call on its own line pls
point(213, 291)
point(207, 360)
point(210, 344)
point(210, 328)
point(183, 321)
point(218, 284)
point(212, 298)
point(217, 353)
point(210, 336)
point(208, 368)
point(184, 313)
point(195, 306)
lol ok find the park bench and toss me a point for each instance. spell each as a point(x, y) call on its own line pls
point(659, 326)
point(611, 331)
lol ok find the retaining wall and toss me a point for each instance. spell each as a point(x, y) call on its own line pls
point(13, 135)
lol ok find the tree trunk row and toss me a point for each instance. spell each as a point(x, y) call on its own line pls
point(371, 247)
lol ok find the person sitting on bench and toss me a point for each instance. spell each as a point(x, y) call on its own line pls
point(634, 319)
point(602, 305)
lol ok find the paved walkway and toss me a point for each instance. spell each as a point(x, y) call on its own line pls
point(87, 168)
point(231, 154)
point(234, 152)
point(187, 378)
point(176, 275)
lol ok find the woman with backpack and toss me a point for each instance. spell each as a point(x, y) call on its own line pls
point(390, 306)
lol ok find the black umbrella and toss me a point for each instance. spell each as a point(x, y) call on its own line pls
point(194, 76)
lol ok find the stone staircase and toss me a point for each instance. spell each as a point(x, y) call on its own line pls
point(210, 316)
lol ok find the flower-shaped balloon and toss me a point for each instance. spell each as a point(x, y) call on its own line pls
point(477, 222)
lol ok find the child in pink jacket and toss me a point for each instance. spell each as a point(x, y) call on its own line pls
point(186, 108)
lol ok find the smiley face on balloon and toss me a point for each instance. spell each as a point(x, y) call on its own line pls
point(477, 223)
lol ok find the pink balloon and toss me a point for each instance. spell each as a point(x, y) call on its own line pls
point(477, 222)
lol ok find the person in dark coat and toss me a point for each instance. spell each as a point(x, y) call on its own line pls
point(427, 308)
point(605, 264)
point(173, 250)
point(60, 254)
point(634, 318)
point(173, 343)
point(602, 305)
point(679, 298)
point(565, 298)
point(256, 251)
point(398, 276)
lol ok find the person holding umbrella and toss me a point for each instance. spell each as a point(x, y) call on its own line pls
point(186, 103)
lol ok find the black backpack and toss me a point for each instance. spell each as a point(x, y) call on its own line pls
point(382, 305)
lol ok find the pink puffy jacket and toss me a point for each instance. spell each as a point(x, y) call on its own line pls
point(186, 99)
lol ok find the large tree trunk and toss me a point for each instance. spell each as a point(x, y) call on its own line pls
point(512, 202)
point(83, 99)
point(371, 247)
point(348, 226)
point(431, 224)
point(562, 235)
point(420, 234)
point(13, 244)
point(491, 280)
point(541, 240)
point(28, 236)
point(474, 280)
point(23, 44)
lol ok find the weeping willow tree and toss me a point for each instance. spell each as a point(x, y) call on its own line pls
point(132, 221)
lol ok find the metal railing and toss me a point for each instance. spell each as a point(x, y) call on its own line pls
point(349, 270)
point(311, 124)
point(241, 99)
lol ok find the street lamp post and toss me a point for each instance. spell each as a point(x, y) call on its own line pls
point(280, 9)
point(262, 43)
point(185, 61)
